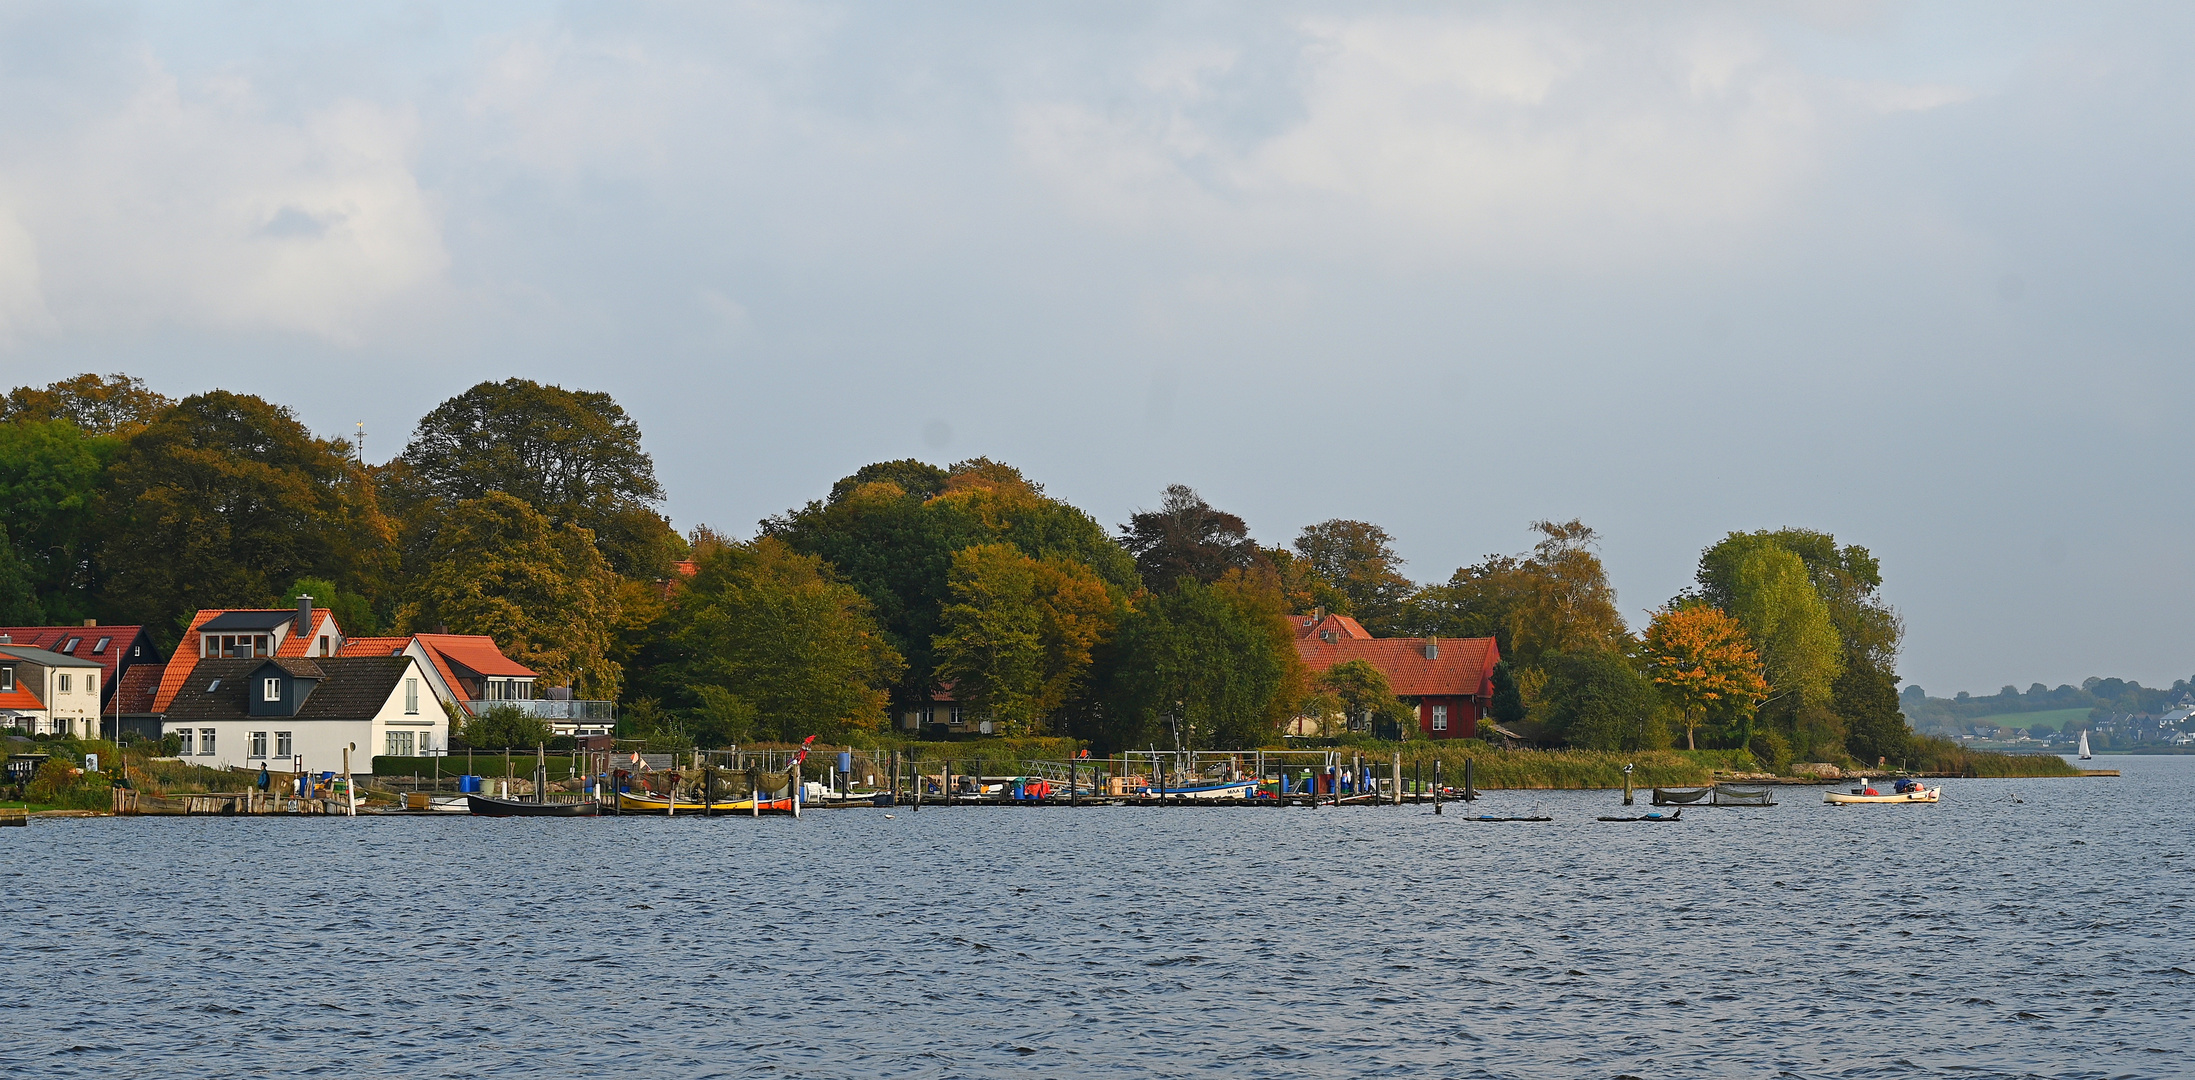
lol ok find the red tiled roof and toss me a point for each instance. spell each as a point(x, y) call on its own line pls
point(179, 666)
point(372, 646)
point(52, 638)
point(1341, 626)
point(139, 685)
point(21, 698)
point(477, 652)
point(1464, 666)
point(300, 644)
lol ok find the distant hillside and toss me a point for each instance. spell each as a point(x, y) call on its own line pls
point(2065, 704)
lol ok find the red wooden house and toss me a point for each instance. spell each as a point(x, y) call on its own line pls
point(1450, 681)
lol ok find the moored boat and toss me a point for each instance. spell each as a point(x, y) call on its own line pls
point(1232, 789)
point(485, 806)
point(1906, 791)
point(630, 802)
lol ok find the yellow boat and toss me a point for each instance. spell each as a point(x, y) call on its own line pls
point(629, 802)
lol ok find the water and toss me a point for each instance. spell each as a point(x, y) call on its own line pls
point(2019, 928)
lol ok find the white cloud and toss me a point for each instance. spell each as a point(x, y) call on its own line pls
point(200, 206)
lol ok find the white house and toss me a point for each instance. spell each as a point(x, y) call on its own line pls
point(47, 693)
point(301, 713)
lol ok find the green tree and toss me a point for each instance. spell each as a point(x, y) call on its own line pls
point(224, 499)
point(1555, 599)
point(1362, 693)
point(542, 591)
point(1017, 639)
point(1187, 538)
point(1507, 706)
point(51, 476)
point(18, 596)
point(1595, 699)
point(1359, 558)
point(765, 640)
point(573, 455)
point(1767, 589)
point(505, 727)
point(1216, 663)
point(352, 610)
point(117, 404)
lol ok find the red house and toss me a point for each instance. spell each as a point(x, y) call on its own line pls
point(1449, 680)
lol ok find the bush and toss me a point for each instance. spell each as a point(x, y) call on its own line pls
point(505, 727)
point(1772, 749)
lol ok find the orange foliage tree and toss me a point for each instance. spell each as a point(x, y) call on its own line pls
point(1703, 661)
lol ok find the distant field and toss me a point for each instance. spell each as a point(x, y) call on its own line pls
point(2055, 718)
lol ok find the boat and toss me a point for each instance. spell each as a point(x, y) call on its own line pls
point(1231, 789)
point(2085, 755)
point(1673, 815)
point(629, 802)
point(484, 806)
point(1907, 791)
point(1490, 817)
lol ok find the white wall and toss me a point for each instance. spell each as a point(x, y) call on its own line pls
point(321, 742)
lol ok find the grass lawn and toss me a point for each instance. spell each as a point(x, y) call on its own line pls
point(2056, 718)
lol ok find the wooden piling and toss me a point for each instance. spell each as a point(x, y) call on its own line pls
point(1627, 785)
point(1398, 779)
point(1436, 786)
point(1469, 792)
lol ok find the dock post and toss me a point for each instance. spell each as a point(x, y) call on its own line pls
point(1627, 785)
point(792, 776)
point(914, 773)
point(1469, 792)
point(708, 790)
point(1436, 786)
point(1398, 779)
point(1074, 775)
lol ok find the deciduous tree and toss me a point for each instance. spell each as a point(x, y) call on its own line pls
point(1017, 639)
point(1595, 699)
point(51, 475)
point(1215, 663)
point(117, 404)
point(1359, 558)
point(1187, 537)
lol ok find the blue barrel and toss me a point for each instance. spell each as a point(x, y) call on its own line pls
point(469, 785)
point(845, 763)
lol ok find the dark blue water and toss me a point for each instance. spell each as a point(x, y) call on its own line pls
point(2020, 928)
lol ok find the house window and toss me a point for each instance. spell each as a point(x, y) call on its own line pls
point(91, 683)
point(259, 744)
point(324, 645)
point(411, 697)
point(64, 727)
point(100, 645)
point(400, 744)
point(64, 682)
point(1440, 718)
point(7, 678)
point(270, 690)
point(284, 745)
point(184, 734)
point(70, 645)
point(205, 741)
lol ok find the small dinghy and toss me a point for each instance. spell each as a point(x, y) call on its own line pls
point(1673, 815)
point(483, 806)
point(1904, 791)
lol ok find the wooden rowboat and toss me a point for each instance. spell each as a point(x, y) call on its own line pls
point(484, 806)
point(629, 802)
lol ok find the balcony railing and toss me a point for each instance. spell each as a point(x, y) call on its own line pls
point(549, 709)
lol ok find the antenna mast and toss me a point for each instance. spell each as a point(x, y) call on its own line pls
point(361, 444)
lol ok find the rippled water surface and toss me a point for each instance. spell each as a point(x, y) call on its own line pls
point(2021, 927)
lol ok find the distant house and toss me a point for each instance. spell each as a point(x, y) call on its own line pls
point(1449, 681)
point(940, 715)
point(303, 713)
point(118, 652)
point(48, 693)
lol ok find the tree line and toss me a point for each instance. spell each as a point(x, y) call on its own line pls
point(531, 513)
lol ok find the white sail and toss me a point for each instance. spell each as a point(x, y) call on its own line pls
point(2084, 744)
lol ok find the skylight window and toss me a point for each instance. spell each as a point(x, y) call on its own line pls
point(100, 646)
point(71, 644)
point(213, 686)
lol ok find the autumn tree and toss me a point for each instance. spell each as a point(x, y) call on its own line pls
point(573, 455)
point(224, 499)
point(764, 643)
point(1214, 664)
point(1359, 558)
point(116, 404)
point(1555, 599)
point(1187, 537)
point(541, 590)
point(1704, 664)
point(1016, 641)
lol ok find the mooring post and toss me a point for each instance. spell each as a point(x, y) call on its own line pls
point(1436, 786)
point(1398, 779)
point(1627, 785)
point(794, 777)
point(1074, 777)
point(1470, 790)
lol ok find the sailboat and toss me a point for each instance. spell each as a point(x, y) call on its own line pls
point(2085, 755)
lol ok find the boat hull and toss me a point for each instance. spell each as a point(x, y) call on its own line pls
point(1846, 798)
point(629, 803)
point(483, 806)
point(1242, 789)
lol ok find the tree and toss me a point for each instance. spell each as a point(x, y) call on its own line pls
point(115, 404)
point(1557, 598)
point(573, 455)
point(918, 478)
point(1596, 700)
point(1215, 664)
point(1359, 559)
point(505, 727)
point(352, 611)
point(51, 476)
point(765, 640)
point(1766, 587)
point(1704, 664)
point(1187, 537)
point(1302, 587)
point(1362, 692)
point(18, 597)
point(548, 598)
point(1507, 706)
point(226, 498)
point(1017, 639)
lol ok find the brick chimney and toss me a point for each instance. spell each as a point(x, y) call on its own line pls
point(1432, 648)
point(304, 614)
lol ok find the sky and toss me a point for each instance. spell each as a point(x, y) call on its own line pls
point(1915, 275)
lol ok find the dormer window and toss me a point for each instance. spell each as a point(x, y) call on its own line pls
point(270, 690)
point(7, 678)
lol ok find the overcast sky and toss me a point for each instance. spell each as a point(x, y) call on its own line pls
point(1915, 275)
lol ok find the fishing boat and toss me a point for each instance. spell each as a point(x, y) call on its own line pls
point(2085, 755)
point(1230, 789)
point(631, 802)
point(484, 806)
point(1906, 791)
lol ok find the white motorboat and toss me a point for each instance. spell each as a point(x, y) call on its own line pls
point(1223, 789)
point(1917, 792)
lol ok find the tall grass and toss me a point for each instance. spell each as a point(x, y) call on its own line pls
point(1936, 754)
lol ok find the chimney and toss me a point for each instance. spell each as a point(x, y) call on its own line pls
point(304, 614)
point(1432, 648)
point(91, 622)
point(7, 639)
point(1318, 614)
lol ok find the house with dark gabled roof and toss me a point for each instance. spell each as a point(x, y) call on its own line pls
point(302, 713)
point(1449, 681)
point(116, 652)
point(47, 693)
